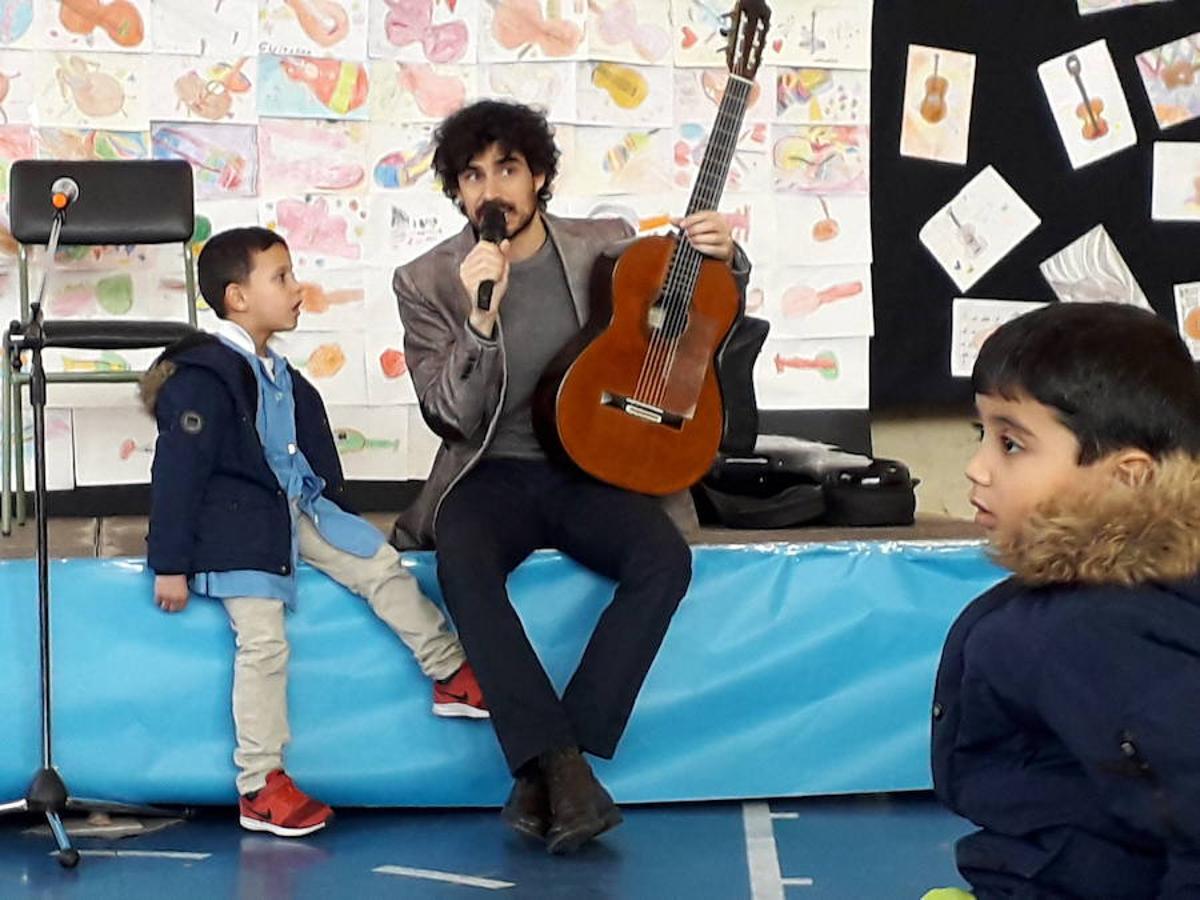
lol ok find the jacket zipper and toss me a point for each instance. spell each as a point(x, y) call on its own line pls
point(1130, 751)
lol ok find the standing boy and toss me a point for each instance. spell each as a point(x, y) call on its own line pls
point(247, 482)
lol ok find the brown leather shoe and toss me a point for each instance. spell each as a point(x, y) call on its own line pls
point(580, 809)
point(527, 809)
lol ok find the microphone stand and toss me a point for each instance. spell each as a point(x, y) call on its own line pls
point(47, 792)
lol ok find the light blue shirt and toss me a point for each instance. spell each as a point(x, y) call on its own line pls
point(276, 425)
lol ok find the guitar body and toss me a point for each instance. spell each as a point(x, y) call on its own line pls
point(574, 412)
point(635, 400)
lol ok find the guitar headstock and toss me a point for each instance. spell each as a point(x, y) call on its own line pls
point(748, 26)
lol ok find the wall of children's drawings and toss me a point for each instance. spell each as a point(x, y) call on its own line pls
point(314, 118)
point(1023, 152)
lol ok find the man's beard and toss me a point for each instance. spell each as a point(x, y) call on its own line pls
point(514, 233)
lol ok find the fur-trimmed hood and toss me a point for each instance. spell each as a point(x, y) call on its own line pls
point(152, 381)
point(1131, 534)
point(201, 349)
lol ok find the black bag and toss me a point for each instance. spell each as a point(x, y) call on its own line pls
point(748, 492)
point(735, 375)
point(883, 493)
point(790, 482)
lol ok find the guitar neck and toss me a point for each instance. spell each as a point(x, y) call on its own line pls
point(722, 142)
point(718, 155)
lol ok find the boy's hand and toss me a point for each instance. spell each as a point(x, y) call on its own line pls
point(171, 592)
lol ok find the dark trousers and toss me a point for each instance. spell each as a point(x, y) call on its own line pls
point(494, 518)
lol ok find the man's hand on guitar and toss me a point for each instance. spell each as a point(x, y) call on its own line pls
point(485, 262)
point(709, 233)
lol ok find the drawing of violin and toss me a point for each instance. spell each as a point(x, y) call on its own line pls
point(626, 86)
point(119, 18)
point(1180, 73)
point(339, 86)
point(107, 361)
point(825, 362)
point(324, 21)
point(95, 93)
point(803, 300)
point(15, 18)
point(814, 43)
point(315, 299)
point(211, 98)
point(436, 95)
point(411, 22)
point(392, 363)
point(619, 23)
point(351, 440)
point(933, 106)
point(519, 23)
point(404, 168)
point(714, 82)
point(967, 235)
point(228, 168)
point(825, 229)
point(5, 84)
point(325, 361)
point(1094, 124)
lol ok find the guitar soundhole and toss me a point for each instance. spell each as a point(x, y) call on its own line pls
point(664, 323)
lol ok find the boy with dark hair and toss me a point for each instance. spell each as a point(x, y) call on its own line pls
point(1066, 717)
point(246, 482)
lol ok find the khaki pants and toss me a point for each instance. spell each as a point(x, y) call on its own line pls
point(260, 665)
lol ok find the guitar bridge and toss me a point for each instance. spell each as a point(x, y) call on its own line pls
point(643, 411)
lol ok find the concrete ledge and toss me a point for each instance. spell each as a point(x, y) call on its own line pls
point(113, 537)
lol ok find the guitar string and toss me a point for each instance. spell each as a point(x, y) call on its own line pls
point(684, 265)
point(657, 348)
point(708, 191)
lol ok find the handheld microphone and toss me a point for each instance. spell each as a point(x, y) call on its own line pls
point(492, 229)
point(63, 193)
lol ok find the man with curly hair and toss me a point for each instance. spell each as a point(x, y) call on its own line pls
point(493, 496)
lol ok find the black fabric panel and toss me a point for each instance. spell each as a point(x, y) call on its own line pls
point(1013, 130)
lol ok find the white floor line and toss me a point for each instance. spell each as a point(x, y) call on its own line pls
point(785, 815)
point(797, 882)
point(145, 854)
point(762, 856)
point(433, 875)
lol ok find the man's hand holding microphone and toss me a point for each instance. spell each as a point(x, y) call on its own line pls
point(484, 272)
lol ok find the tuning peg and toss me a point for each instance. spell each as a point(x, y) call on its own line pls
point(726, 22)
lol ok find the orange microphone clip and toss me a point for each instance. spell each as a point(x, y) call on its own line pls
point(63, 193)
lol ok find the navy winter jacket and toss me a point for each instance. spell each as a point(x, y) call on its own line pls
point(1066, 716)
point(215, 503)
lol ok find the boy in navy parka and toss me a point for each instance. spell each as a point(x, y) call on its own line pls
point(1066, 716)
point(246, 482)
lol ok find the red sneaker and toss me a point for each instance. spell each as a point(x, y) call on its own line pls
point(283, 809)
point(460, 696)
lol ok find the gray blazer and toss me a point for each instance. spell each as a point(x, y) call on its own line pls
point(459, 377)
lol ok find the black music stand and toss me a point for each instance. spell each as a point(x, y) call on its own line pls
point(35, 221)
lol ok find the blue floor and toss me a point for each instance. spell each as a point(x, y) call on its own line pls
point(858, 848)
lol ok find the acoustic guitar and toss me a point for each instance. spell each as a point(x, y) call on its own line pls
point(634, 400)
